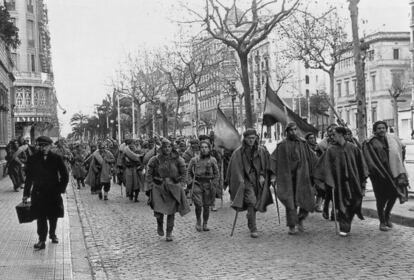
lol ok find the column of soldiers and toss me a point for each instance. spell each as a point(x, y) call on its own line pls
point(306, 176)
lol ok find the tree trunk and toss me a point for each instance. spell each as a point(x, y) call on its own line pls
point(176, 114)
point(197, 121)
point(332, 95)
point(246, 88)
point(395, 113)
point(360, 96)
point(138, 119)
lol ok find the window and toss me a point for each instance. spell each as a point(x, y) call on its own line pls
point(355, 86)
point(30, 33)
point(348, 114)
point(370, 55)
point(374, 114)
point(33, 64)
point(339, 89)
point(347, 88)
point(10, 5)
point(3, 115)
point(307, 93)
point(19, 97)
point(307, 79)
point(374, 88)
point(396, 53)
point(29, 4)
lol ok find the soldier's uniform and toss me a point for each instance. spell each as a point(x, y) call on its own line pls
point(205, 173)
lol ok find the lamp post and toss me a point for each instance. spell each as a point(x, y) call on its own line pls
point(112, 127)
point(133, 118)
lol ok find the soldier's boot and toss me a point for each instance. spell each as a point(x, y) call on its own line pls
point(198, 216)
point(136, 193)
point(78, 182)
point(170, 227)
point(251, 221)
point(206, 215)
point(387, 213)
point(160, 225)
point(105, 195)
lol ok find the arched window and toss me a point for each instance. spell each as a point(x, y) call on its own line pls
point(307, 79)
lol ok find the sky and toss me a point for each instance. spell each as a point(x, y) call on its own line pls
point(91, 38)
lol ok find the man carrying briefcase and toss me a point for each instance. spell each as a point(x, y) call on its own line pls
point(46, 179)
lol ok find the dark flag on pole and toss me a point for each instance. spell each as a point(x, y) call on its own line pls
point(276, 111)
point(225, 134)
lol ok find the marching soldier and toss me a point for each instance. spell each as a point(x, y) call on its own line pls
point(203, 175)
point(384, 156)
point(294, 162)
point(165, 180)
point(248, 178)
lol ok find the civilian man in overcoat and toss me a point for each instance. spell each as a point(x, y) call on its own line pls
point(46, 179)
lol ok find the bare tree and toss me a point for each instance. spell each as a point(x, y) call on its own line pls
point(140, 79)
point(360, 96)
point(319, 42)
point(397, 88)
point(242, 29)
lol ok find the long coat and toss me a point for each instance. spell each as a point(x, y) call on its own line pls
point(134, 180)
point(49, 179)
point(343, 168)
point(166, 177)
point(305, 191)
point(236, 178)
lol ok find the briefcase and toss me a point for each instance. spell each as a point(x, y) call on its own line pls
point(24, 212)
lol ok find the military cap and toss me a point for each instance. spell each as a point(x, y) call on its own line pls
point(44, 140)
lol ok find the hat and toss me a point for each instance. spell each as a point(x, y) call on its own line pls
point(290, 125)
point(203, 137)
point(194, 141)
point(307, 135)
point(165, 141)
point(249, 131)
point(182, 144)
point(44, 140)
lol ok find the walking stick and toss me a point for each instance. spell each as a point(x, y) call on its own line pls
point(192, 186)
point(277, 203)
point(334, 210)
point(234, 222)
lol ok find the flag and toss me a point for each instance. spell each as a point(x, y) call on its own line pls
point(276, 111)
point(225, 134)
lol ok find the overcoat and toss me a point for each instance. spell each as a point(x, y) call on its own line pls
point(166, 177)
point(305, 191)
point(236, 178)
point(49, 179)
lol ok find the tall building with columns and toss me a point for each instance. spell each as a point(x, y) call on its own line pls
point(34, 102)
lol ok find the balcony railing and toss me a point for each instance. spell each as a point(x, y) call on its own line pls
point(45, 77)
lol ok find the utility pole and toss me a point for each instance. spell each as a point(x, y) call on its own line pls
point(360, 96)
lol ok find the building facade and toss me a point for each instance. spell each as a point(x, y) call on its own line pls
point(35, 100)
point(293, 82)
point(386, 61)
point(6, 89)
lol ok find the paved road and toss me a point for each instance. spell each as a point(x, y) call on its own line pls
point(123, 244)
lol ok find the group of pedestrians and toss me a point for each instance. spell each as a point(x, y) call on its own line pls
point(304, 175)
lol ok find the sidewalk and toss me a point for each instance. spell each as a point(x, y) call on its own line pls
point(400, 214)
point(18, 259)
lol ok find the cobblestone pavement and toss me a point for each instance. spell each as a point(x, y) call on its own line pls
point(18, 259)
point(122, 244)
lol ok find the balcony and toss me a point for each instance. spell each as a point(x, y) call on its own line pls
point(34, 114)
point(44, 79)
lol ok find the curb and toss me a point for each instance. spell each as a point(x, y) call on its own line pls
point(81, 266)
point(397, 219)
